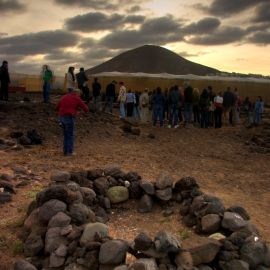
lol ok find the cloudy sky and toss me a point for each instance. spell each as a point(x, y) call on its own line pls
point(230, 35)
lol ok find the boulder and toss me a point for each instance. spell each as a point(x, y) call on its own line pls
point(147, 187)
point(114, 171)
point(113, 252)
point(92, 230)
point(54, 239)
point(60, 176)
point(205, 252)
point(184, 260)
point(236, 265)
point(164, 194)
point(59, 220)
point(233, 221)
point(23, 265)
point(89, 195)
point(24, 140)
point(33, 245)
point(5, 197)
point(240, 211)
point(118, 194)
point(142, 242)
point(135, 190)
point(166, 242)
point(58, 192)
point(80, 213)
point(255, 252)
point(145, 204)
point(144, 264)
point(94, 174)
point(101, 185)
point(186, 183)
point(32, 220)
point(49, 209)
point(7, 186)
point(210, 223)
point(56, 261)
point(164, 180)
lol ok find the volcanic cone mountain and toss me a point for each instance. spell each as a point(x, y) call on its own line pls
point(152, 60)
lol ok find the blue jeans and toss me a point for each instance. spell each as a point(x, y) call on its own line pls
point(136, 112)
point(122, 110)
point(158, 115)
point(68, 131)
point(258, 117)
point(46, 92)
point(188, 111)
point(173, 121)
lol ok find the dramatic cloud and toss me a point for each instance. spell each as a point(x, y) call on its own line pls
point(262, 38)
point(7, 6)
point(205, 25)
point(222, 36)
point(263, 13)
point(134, 19)
point(100, 4)
point(95, 21)
point(228, 8)
point(134, 9)
point(157, 31)
point(37, 43)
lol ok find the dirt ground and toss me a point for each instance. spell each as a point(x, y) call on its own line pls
point(220, 160)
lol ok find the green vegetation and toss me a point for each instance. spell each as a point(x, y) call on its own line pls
point(17, 247)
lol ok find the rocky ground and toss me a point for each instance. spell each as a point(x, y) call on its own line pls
point(223, 162)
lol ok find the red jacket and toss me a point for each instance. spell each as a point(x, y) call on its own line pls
point(69, 104)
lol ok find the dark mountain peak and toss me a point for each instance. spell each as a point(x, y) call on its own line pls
point(153, 60)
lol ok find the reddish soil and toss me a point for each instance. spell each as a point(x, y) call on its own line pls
point(220, 160)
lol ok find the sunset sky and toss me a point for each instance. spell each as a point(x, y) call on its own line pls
point(229, 35)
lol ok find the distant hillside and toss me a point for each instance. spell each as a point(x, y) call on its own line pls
point(154, 60)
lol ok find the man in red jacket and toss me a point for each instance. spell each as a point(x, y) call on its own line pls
point(67, 109)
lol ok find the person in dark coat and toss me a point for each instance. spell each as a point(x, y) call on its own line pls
point(174, 103)
point(5, 81)
point(82, 85)
point(110, 96)
point(158, 107)
point(204, 103)
point(188, 106)
point(96, 86)
point(228, 101)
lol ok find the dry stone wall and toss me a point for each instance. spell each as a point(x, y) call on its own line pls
point(66, 226)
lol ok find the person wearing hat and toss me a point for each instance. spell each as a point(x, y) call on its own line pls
point(67, 110)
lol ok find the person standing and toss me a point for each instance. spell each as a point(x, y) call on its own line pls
point(204, 103)
point(47, 78)
point(110, 96)
point(67, 110)
point(144, 105)
point(130, 102)
point(70, 79)
point(218, 103)
point(166, 113)
point(96, 86)
point(122, 99)
point(196, 109)
point(5, 81)
point(158, 107)
point(188, 92)
point(136, 109)
point(228, 101)
point(258, 110)
point(82, 84)
point(173, 102)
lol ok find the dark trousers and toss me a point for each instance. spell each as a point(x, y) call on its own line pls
point(158, 115)
point(218, 117)
point(85, 93)
point(204, 119)
point(4, 91)
point(130, 106)
point(46, 92)
point(196, 114)
point(180, 115)
point(68, 132)
point(173, 121)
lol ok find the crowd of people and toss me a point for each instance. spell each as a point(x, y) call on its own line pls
point(177, 105)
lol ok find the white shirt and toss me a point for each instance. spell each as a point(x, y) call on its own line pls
point(218, 99)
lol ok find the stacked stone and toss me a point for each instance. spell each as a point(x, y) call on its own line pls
point(65, 227)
